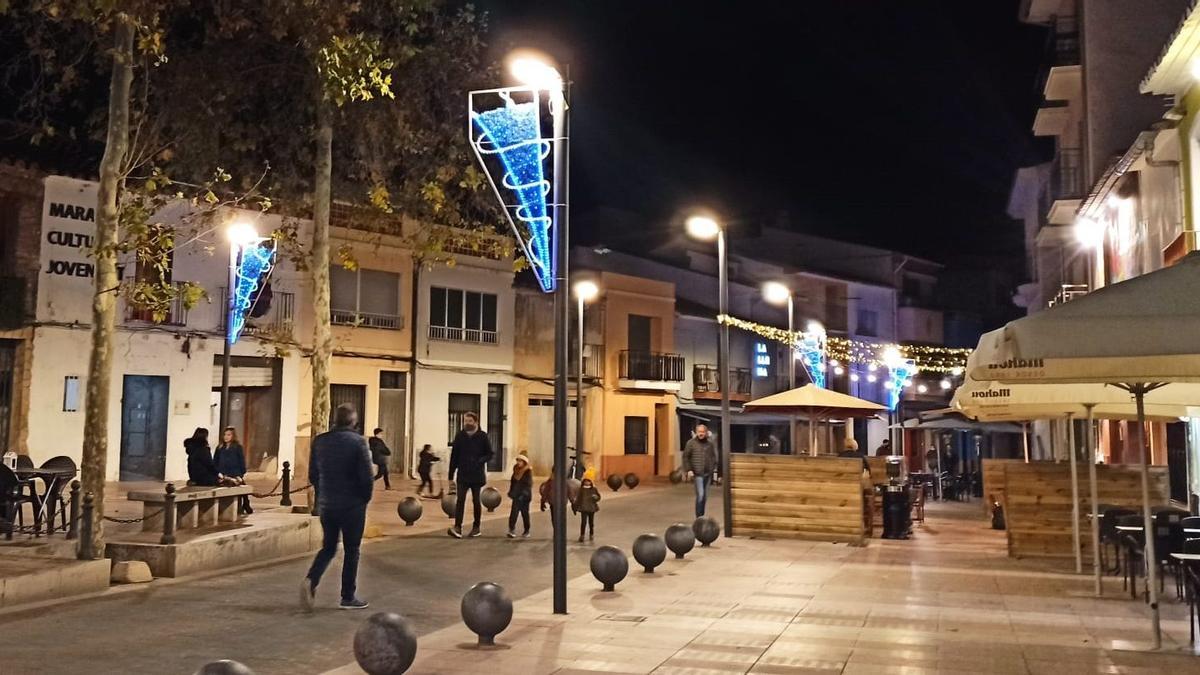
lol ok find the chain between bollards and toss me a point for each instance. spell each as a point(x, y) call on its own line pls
point(287, 485)
point(85, 551)
point(168, 536)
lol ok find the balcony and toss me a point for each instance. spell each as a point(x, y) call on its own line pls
point(279, 319)
point(1066, 41)
point(472, 335)
point(177, 314)
point(651, 370)
point(706, 383)
point(1066, 188)
point(354, 319)
point(1067, 293)
point(593, 361)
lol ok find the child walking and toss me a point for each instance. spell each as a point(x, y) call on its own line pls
point(520, 492)
point(587, 502)
point(424, 466)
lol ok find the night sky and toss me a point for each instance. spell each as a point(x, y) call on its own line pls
point(895, 123)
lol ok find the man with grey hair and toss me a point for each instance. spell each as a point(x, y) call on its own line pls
point(700, 461)
point(340, 470)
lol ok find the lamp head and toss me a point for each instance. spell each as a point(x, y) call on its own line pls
point(703, 228)
point(892, 358)
point(241, 233)
point(815, 328)
point(776, 293)
point(534, 70)
point(1089, 233)
point(586, 290)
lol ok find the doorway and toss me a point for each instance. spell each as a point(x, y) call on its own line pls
point(354, 394)
point(144, 427)
point(393, 415)
point(457, 407)
point(495, 426)
point(8, 360)
point(663, 457)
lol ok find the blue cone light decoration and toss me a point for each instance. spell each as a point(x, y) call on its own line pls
point(253, 264)
point(899, 373)
point(812, 355)
point(513, 133)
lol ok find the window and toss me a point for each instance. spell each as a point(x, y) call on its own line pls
point(457, 408)
point(637, 430)
point(868, 323)
point(465, 316)
point(361, 297)
point(71, 393)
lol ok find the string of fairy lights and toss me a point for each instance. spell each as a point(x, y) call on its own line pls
point(901, 362)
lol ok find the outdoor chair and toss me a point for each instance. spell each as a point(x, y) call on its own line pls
point(1133, 543)
point(918, 503)
point(55, 504)
point(11, 500)
point(1108, 537)
point(24, 462)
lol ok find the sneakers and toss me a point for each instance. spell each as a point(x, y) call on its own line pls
point(512, 534)
point(474, 532)
point(581, 538)
point(591, 536)
point(455, 532)
point(308, 595)
point(525, 535)
point(354, 603)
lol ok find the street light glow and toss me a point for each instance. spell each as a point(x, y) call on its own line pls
point(946, 384)
point(241, 233)
point(1089, 233)
point(776, 293)
point(815, 328)
point(892, 358)
point(703, 228)
point(534, 72)
point(586, 290)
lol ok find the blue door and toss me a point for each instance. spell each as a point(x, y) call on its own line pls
point(144, 427)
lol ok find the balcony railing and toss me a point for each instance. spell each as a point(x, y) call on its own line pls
point(1066, 41)
point(1066, 174)
point(349, 317)
point(706, 381)
point(280, 317)
point(177, 313)
point(1067, 293)
point(593, 361)
point(486, 337)
point(651, 366)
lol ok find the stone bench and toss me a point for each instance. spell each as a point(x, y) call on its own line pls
point(195, 506)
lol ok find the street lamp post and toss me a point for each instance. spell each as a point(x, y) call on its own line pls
point(240, 235)
point(705, 228)
point(585, 291)
point(777, 293)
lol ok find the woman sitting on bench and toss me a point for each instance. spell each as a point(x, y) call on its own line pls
point(231, 465)
point(201, 470)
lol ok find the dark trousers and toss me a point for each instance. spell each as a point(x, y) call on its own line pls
point(425, 480)
point(519, 507)
point(347, 523)
point(383, 473)
point(461, 503)
point(587, 521)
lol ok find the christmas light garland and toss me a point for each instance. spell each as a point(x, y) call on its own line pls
point(950, 360)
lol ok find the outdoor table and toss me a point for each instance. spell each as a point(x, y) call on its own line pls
point(1187, 557)
point(51, 476)
point(1191, 530)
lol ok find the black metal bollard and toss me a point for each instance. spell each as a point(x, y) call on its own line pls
point(85, 551)
point(73, 526)
point(286, 500)
point(168, 536)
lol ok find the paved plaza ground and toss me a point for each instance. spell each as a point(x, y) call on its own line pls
point(948, 600)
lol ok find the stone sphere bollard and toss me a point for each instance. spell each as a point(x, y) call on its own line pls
point(631, 480)
point(573, 488)
point(409, 509)
point(649, 551)
point(706, 530)
point(448, 501)
point(614, 482)
point(677, 476)
point(224, 667)
point(680, 539)
point(490, 497)
point(609, 566)
point(385, 644)
point(487, 611)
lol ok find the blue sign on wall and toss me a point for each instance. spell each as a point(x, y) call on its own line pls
point(762, 360)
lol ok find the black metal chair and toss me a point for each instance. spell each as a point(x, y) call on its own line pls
point(1108, 536)
point(1191, 585)
point(11, 500)
point(53, 496)
point(1134, 544)
point(1168, 539)
point(24, 462)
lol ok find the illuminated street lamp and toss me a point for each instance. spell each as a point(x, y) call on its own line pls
point(241, 235)
point(777, 294)
point(585, 291)
point(706, 228)
point(1090, 234)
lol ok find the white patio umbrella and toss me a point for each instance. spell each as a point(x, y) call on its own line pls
point(1140, 335)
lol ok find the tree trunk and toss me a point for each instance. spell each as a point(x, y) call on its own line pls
point(104, 302)
point(322, 334)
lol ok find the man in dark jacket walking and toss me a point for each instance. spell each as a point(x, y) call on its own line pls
point(700, 461)
point(469, 455)
point(340, 470)
point(379, 457)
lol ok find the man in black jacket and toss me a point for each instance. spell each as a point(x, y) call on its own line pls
point(340, 471)
point(469, 455)
point(379, 457)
